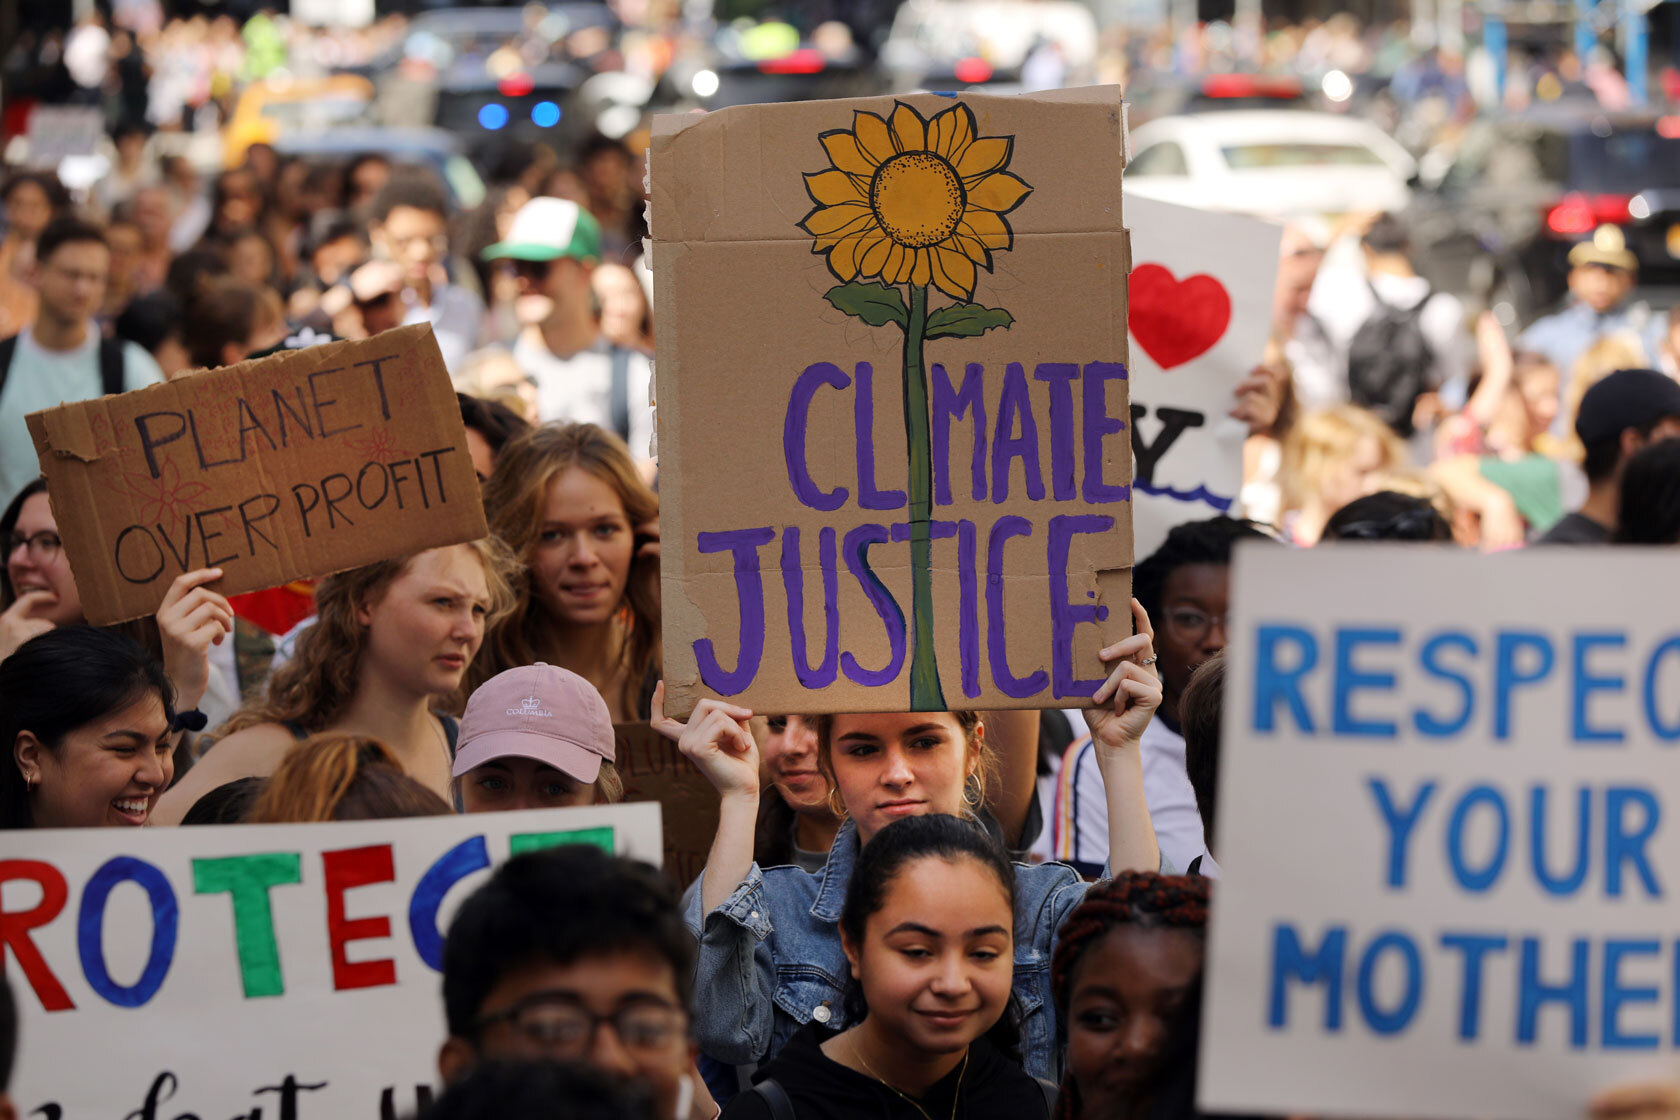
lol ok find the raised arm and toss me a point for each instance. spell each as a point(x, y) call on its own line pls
point(716, 739)
point(1013, 739)
point(1125, 704)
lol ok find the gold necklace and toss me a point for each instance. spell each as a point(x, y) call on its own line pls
point(956, 1097)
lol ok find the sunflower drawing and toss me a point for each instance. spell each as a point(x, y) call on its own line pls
point(919, 203)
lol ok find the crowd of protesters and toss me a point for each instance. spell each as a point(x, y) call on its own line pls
point(959, 913)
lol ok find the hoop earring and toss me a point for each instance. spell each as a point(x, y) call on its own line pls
point(835, 804)
point(972, 795)
point(29, 783)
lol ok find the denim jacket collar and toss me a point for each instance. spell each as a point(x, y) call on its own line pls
point(837, 873)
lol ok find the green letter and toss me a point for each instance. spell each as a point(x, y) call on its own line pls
point(248, 879)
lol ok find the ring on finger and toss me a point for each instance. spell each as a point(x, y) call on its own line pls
point(1149, 660)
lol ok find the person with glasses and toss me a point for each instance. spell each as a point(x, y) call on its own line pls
point(1186, 584)
point(411, 228)
point(571, 954)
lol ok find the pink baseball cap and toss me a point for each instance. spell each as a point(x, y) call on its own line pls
point(537, 711)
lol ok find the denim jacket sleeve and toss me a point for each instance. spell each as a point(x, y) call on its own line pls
point(735, 976)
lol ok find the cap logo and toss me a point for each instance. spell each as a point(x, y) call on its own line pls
point(530, 706)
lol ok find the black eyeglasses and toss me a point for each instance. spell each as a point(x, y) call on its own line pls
point(42, 546)
point(560, 1025)
point(1191, 625)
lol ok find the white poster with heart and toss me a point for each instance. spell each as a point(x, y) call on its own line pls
point(1200, 308)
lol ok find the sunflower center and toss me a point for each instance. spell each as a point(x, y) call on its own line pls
point(917, 198)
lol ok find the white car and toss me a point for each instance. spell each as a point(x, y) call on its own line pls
point(1275, 164)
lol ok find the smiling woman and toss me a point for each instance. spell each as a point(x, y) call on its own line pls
point(392, 641)
point(85, 719)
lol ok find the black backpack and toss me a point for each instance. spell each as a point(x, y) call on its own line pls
point(1389, 361)
point(110, 363)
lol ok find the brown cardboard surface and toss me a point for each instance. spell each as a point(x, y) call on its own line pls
point(767, 231)
point(654, 769)
point(301, 464)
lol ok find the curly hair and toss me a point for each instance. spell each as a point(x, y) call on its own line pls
point(315, 686)
point(513, 503)
point(1145, 899)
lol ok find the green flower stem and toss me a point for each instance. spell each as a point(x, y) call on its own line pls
point(926, 695)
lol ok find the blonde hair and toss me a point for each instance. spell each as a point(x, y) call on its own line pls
point(1323, 440)
point(513, 503)
point(977, 758)
point(342, 778)
point(315, 686)
point(1598, 361)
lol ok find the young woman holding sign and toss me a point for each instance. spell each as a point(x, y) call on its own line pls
point(391, 639)
point(927, 929)
point(568, 500)
point(770, 957)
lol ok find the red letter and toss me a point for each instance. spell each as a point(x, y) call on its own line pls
point(357, 867)
point(14, 928)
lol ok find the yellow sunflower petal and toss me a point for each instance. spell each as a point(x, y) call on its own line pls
point(844, 153)
point(970, 248)
point(899, 262)
point(921, 270)
point(832, 188)
point(952, 272)
point(950, 132)
point(982, 157)
point(987, 228)
point(827, 220)
point(872, 256)
point(1000, 192)
point(908, 129)
point(843, 259)
point(873, 138)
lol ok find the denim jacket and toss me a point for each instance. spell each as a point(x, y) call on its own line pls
point(770, 957)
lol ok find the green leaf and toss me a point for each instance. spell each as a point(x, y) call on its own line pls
point(966, 320)
point(875, 304)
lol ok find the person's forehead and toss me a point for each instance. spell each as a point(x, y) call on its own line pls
point(601, 979)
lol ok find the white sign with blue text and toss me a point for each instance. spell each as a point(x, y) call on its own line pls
point(1443, 823)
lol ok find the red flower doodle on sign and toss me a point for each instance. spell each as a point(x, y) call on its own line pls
point(377, 447)
point(167, 495)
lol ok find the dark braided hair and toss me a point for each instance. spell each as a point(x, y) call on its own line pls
point(1145, 899)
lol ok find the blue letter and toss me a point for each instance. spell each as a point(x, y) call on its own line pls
point(997, 645)
point(1273, 682)
point(793, 584)
point(1016, 401)
point(1506, 677)
point(749, 588)
point(90, 927)
point(1060, 375)
point(1587, 683)
point(1098, 424)
point(1666, 732)
point(1532, 994)
point(793, 436)
point(1400, 823)
point(470, 855)
point(1621, 844)
point(1476, 882)
point(856, 550)
point(1064, 616)
point(1537, 829)
point(1474, 947)
point(1290, 961)
point(948, 404)
point(863, 415)
point(1347, 678)
point(1429, 656)
point(1615, 995)
point(1396, 1019)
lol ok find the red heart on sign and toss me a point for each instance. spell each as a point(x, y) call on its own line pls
point(1176, 320)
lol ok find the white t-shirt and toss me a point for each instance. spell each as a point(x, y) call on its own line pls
point(457, 319)
point(1078, 820)
point(578, 389)
point(1342, 302)
point(41, 378)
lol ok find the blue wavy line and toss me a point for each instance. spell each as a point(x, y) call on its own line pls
point(1199, 494)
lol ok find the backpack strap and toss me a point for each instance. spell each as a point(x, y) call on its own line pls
point(110, 366)
point(8, 347)
point(619, 404)
point(775, 1099)
point(1051, 1092)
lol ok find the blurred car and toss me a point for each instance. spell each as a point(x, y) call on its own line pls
point(1271, 163)
point(434, 148)
point(1499, 220)
point(273, 108)
point(948, 44)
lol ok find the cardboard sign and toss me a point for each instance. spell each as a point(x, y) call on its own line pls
point(1200, 307)
point(654, 769)
point(60, 132)
point(1445, 834)
point(217, 971)
point(301, 464)
point(893, 401)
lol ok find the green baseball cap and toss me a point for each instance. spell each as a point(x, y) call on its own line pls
point(546, 229)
